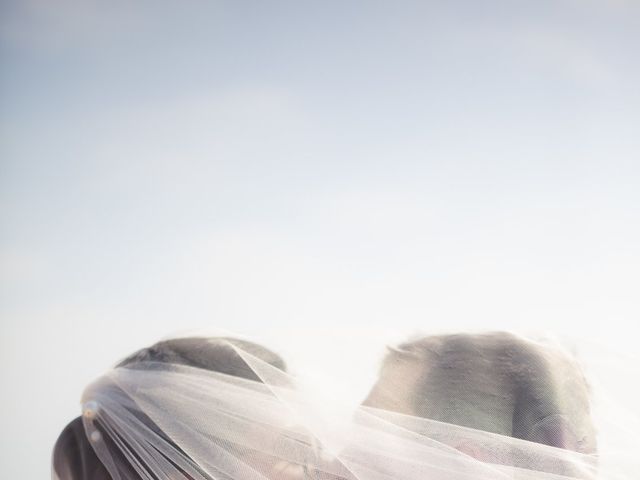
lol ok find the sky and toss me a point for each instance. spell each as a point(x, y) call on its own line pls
point(311, 174)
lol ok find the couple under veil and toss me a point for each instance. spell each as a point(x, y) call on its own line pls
point(476, 406)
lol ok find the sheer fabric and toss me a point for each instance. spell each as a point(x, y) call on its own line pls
point(443, 408)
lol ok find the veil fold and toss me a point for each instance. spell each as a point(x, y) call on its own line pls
point(170, 420)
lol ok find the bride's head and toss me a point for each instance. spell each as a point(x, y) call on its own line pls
point(74, 457)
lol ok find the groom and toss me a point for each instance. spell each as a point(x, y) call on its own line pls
point(494, 382)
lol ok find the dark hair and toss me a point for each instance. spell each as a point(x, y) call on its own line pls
point(498, 369)
point(214, 354)
point(73, 456)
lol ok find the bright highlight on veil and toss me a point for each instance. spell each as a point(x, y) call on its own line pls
point(443, 407)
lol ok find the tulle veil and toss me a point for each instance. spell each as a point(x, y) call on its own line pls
point(166, 419)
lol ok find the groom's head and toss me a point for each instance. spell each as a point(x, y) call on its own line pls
point(495, 382)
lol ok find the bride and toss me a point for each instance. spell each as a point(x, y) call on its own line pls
point(476, 406)
point(74, 457)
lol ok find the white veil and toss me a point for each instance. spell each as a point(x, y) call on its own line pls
point(168, 420)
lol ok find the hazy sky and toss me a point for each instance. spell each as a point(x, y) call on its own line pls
point(270, 167)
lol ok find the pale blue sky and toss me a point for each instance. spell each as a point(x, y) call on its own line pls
point(270, 166)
